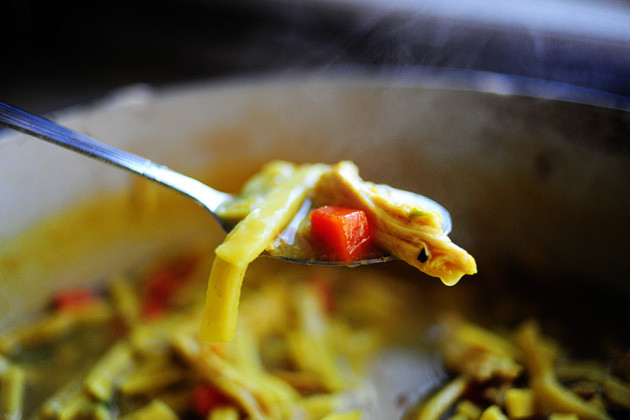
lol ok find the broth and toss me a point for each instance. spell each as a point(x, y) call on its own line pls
point(390, 301)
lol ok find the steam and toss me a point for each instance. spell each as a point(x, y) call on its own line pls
point(563, 49)
point(606, 20)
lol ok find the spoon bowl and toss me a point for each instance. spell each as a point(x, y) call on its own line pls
point(204, 195)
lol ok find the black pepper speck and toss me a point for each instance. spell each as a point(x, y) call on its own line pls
point(423, 257)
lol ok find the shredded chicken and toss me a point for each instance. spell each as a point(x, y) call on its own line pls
point(409, 232)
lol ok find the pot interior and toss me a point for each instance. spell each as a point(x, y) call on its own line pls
point(537, 190)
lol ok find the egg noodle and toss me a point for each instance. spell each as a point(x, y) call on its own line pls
point(399, 228)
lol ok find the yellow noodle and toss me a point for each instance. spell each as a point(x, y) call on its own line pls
point(153, 375)
point(478, 352)
point(460, 416)
point(217, 371)
point(44, 330)
point(520, 402)
point(356, 345)
point(125, 301)
point(11, 393)
point(220, 314)
point(255, 190)
point(267, 312)
point(101, 380)
point(223, 413)
point(72, 406)
point(563, 416)
point(245, 243)
point(153, 339)
point(319, 405)
point(54, 326)
point(347, 415)
point(481, 338)
point(156, 410)
point(468, 410)
point(53, 406)
point(435, 407)
point(550, 395)
point(243, 351)
point(309, 343)
point(243, 396)
point(493, 413)
point(263, 224)
point(313, 355)
point(101, 412)
point(246, 357)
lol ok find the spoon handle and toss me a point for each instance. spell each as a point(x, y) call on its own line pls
point(50, 131)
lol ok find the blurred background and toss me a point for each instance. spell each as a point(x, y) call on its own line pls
point(61, 53)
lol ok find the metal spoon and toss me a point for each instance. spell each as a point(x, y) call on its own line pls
point(209, 198)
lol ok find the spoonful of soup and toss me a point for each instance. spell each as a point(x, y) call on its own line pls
point(307, 213)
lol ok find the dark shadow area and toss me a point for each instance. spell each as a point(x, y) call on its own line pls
point(60, 53)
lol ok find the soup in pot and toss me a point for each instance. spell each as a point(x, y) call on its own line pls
point(311, 343)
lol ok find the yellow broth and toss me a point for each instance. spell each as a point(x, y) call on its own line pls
point(133, 233)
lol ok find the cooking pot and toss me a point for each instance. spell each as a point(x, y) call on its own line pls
point(538, 189)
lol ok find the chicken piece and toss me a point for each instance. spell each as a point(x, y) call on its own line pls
point(407, 231)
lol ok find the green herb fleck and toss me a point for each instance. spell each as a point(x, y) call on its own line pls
point(416, 213)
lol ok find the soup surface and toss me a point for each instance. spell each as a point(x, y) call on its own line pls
point(312, 342)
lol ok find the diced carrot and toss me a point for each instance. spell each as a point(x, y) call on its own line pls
point(206, 397)
point(74, 299)
point(161, 284)
point(344, 229)
point(153, 308)
point(164, 282)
